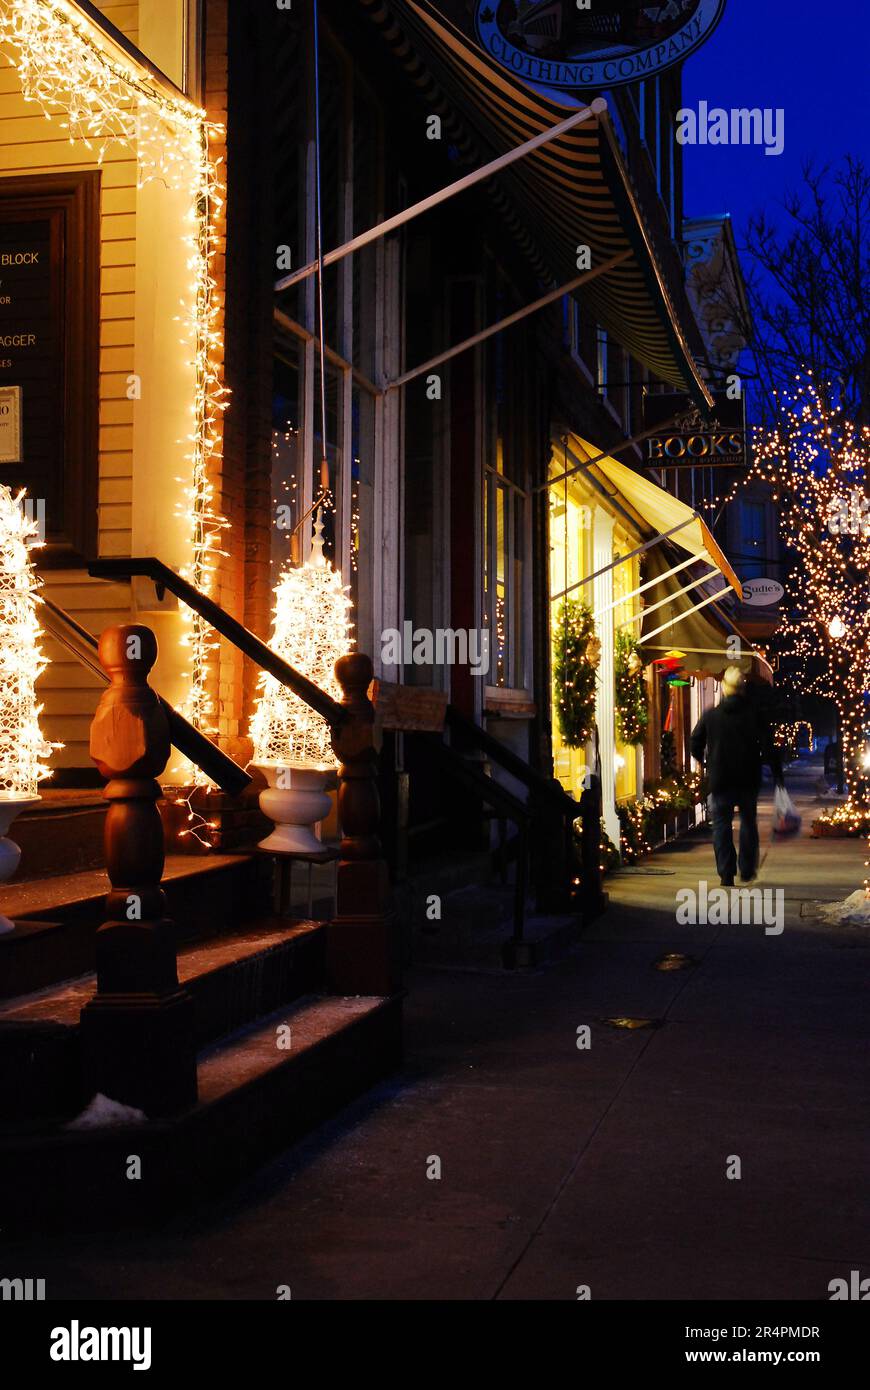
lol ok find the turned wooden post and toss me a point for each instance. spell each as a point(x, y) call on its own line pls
point(137, 1031)
point(362, 949)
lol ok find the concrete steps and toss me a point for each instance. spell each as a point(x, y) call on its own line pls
point(56, 918)
point(234, 978)
point(255, 1099)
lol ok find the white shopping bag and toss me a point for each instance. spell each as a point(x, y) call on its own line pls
point(786, 818)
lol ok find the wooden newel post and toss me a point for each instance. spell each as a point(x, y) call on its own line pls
point(363, 956)
point(137, 1031)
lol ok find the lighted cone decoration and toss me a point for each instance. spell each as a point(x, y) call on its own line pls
point(23, 750)
point(311, 630)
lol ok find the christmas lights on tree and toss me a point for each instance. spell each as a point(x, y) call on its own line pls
point(311, 630)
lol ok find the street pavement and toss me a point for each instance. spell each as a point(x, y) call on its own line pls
point(719, 1152)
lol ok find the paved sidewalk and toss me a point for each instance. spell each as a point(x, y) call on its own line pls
point(562, 1167)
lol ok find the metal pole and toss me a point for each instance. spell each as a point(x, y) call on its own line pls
point(435, 199)
point(324, 463)
point(506, 322)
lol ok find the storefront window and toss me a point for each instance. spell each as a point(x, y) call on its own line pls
point(331, 458)
point(504, 512)
point(625, 581)
point(571, 502)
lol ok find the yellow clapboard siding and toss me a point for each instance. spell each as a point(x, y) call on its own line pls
point(87, 595)
point(116, 333)
point(117, 279)
point(118, 253)
point(70, 704)
point(114, 543)
point(116, 202)
point(114, 516)
point(116, 412)
point(115, 305)
point(115, 491)
point(114, 386)
point(116, 359)
point(116, 439)
point(49, 157)
point(118, 226)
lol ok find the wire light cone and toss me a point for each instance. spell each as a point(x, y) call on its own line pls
point(311, 629)
point(23, 750)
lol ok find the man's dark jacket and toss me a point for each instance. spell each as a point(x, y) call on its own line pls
point(733, 739)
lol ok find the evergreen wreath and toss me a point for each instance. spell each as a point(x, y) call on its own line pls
point(632, 716)
point(576, 654)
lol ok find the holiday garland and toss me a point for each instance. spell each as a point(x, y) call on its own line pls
point(575, 659)
point(630, 694)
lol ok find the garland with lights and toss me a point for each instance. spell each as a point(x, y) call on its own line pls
point(311, 630)
point(632, 716)
point(576, 652)
point(23, 750)
point(104, 97)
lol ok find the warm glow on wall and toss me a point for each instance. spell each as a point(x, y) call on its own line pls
point(100, 95)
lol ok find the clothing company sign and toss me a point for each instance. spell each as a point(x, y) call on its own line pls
point(563, 47)
point(688, 439)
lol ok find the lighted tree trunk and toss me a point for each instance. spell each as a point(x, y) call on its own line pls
point(137, 1031)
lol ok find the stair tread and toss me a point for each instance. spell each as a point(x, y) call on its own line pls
point(251, 1052)
point(61, 1003)
point(32, 897)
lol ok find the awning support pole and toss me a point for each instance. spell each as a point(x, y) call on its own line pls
point(506, 322)
point(435, 199)
point(676, 594)
point(679, 618)
point(662, 536)
point(617, 449)
point(650, 583)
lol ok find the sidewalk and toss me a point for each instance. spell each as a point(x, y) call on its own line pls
point(562, 1167)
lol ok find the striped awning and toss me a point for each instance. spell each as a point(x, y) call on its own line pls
point(574, 190)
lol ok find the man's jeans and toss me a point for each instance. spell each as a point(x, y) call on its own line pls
point(721, 809)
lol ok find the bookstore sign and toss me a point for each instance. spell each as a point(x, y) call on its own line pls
point(683, 437)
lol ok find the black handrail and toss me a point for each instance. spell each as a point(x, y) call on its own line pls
point(190, 742)
point(503, 801)
point(511, 762)
point(165, 578)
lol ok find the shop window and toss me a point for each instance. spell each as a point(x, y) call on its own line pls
point(505, 499)
point(162, 30)
point(337, 467)
point(752, 557)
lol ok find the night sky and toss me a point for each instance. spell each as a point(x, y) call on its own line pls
point(808, 58)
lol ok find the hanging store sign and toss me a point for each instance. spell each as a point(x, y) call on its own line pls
point(760, 592)
point(565, 49)
point(689, 439)
point(49, 353)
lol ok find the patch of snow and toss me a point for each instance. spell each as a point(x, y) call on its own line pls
point(853, 911)
point(103, 1113)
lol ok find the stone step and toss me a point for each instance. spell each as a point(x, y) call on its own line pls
point(61, 834)
point(234, 978)
point(255, 1099)
point(56, 919)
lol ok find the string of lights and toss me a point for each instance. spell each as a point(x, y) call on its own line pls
point(102, 97)
point(23, 750)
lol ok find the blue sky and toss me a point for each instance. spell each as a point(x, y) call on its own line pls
point(810, 59)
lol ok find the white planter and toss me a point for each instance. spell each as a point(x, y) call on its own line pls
point(10, 855)
point(296, 800)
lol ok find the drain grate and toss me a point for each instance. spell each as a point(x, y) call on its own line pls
point(674, 960)
point(633, 1023)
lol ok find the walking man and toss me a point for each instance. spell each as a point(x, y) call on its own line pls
point(733, 740)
